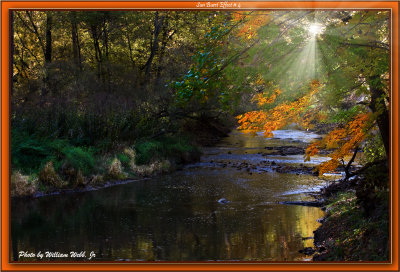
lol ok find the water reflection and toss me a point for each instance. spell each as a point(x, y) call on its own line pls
point(174, 218)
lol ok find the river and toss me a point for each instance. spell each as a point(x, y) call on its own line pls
point(227, 207)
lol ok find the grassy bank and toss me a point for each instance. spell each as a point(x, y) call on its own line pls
point(356, 227)
point(49, 164)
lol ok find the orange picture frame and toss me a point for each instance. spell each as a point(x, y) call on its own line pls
point(6, 6)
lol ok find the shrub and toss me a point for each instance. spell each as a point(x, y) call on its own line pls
point(130, 153)
point(80, 179)
point(22, 186)
point(29, 152)
point(48, 176)
point(147, 151)
point(115, 170)
point(96, 179)
point(79, 158)
point(124, 159)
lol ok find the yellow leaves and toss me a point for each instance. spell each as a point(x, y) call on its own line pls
point(260, 80)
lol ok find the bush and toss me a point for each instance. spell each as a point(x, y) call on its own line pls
point(115, 170)
point(29, 152)
point(22, 186)
point(124, 159)
point(96, 179)
point(79, 158)
point(48, 176)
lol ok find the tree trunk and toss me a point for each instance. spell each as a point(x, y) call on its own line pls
point(106, 46)
point(49, 26)
point(47, 53)
point(154, 47)
point(166, 37)
point(97, 50)
point(76, 51)
point(347, 168)
point(378, 106)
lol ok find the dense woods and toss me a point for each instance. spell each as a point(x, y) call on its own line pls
point(106, 95)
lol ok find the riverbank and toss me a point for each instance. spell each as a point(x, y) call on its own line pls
point(356, 226)
point(63, 168)
point(208, 211)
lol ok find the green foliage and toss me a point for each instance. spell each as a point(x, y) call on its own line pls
point(203, 78)
point(79, 158)
point(124, 159)
point(343, 116)
point(175, 148)
point(374, 149)
point(29, 153)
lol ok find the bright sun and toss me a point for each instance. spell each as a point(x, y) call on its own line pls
point(315, 29)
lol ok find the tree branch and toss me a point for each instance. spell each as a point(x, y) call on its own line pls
point(372, 45)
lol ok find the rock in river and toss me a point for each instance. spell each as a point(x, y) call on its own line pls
point(223, 201)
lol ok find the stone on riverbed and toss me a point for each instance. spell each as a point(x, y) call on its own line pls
point(223, 201)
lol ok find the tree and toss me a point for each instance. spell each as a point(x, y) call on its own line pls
point(353, 86)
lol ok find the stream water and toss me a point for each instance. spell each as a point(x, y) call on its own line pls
point(227, 207)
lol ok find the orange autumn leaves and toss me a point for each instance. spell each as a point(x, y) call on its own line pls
point(262, 100)
point(343, 139)
point(279, 116)
point(253, 21)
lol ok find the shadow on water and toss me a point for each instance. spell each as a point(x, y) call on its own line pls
point(176, 217)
